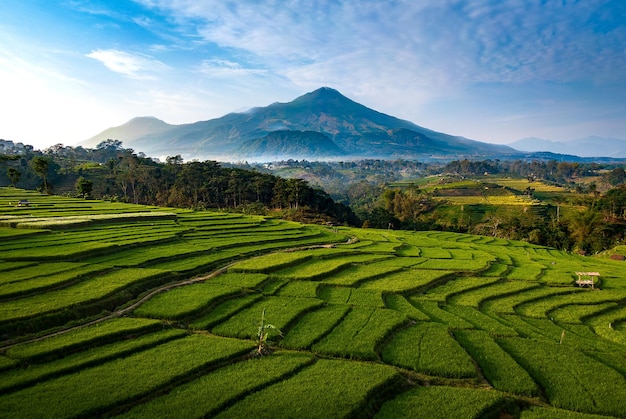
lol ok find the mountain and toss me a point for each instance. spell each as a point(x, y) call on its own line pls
point(130, 131)
point(291, 144)
point(353, 129)
point(584, 147)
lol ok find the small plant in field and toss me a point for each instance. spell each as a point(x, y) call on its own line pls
point(263, 345)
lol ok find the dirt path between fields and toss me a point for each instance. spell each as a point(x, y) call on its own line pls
point(121, 312)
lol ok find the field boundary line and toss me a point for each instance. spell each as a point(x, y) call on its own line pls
point(124, 310)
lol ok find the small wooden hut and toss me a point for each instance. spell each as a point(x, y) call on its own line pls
point(587, 279)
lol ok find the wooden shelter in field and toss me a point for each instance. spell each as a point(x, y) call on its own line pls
point(587, 279)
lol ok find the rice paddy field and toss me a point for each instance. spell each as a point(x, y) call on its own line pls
point(494, 191)
point(118, 310)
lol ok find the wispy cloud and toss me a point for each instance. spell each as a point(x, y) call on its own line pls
point(90, 8)
point(471, 41)
point(129, 64)
point(225, 68)
point(458, 66)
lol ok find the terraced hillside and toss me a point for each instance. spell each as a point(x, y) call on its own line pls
point(121, 310)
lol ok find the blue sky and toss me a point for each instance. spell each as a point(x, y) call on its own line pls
point(490, 70)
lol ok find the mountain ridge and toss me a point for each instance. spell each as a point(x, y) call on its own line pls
point(591, 146)
point(356, 130)
point(132, 129)
point(296, 144)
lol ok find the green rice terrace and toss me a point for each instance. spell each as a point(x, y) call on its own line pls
point(119, 310)
point(489, 191)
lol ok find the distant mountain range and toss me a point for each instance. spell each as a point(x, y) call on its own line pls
point(319, 125)
point(583, 147)
point(325, 125)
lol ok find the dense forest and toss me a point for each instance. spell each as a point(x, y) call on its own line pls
point(369, 193)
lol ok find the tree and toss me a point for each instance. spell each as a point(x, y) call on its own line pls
point(14, 175)
point(296, 190)
point(380, 218)
point(190, 180)
point(614, 202)
point(128, 175)
point(581, 226)
point(174, 160)
point(234, 188)
point(279, 194)
point(110, 144)
point(40, 166)
point(109, 149)
point(616, 176)
point(84, 187)
point(6, 158)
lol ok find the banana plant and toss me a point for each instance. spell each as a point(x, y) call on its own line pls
point(262, 335)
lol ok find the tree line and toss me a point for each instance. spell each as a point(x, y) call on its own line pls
point(354, 193)
point(113, 172)
point(588, 225)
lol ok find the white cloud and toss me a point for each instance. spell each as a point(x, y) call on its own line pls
point(468, 41)
point(403, 56)
point(422, 60)
point(225, 68)
point(129, 64)
point(89, 8)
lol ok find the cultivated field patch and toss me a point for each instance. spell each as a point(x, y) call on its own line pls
point(112, 309)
